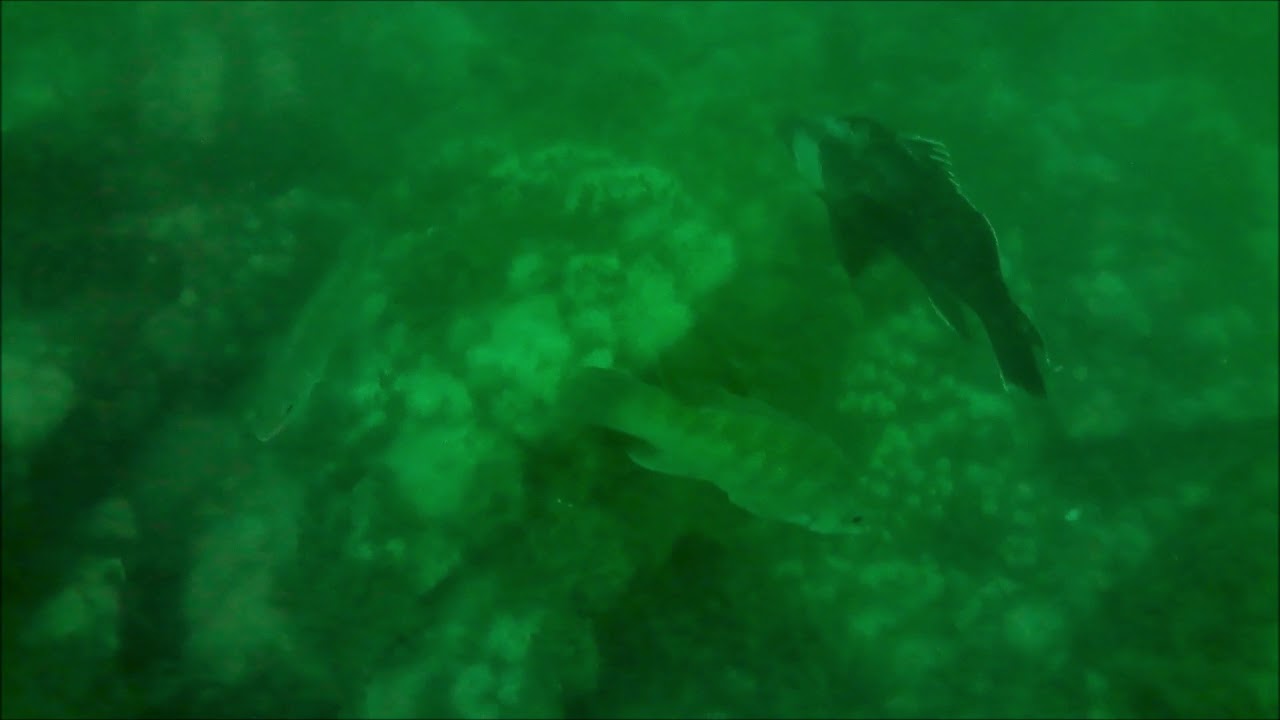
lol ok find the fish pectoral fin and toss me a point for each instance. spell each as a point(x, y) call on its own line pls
point(951, 310)
point(652, 458)
point(853, 244)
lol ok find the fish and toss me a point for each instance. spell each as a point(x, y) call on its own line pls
point(895, 194)
point(331, 318)
point(765, 462)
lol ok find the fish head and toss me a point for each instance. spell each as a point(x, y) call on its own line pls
point(269, 421)
point(832, 153)
point(278, 404)
point(837, 523)
point(845, 157)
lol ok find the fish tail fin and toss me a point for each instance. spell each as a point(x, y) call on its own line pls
point(1017, 346)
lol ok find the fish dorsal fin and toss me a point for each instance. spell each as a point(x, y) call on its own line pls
point(652, 458)
point(727, 401)
point(923, 147)
point(931, 152)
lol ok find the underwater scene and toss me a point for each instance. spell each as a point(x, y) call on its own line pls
point(634, 360)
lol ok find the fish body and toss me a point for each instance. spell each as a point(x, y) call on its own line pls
point(766, 463)
point(891, 193)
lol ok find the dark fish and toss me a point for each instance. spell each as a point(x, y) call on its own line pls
point(895, 193)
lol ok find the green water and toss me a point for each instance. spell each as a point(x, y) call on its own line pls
point(435, 532)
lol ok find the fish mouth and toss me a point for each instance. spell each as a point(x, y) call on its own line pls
point(790, 127)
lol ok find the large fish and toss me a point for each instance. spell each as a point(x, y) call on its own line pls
point(887, 192)
point(767, 463)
